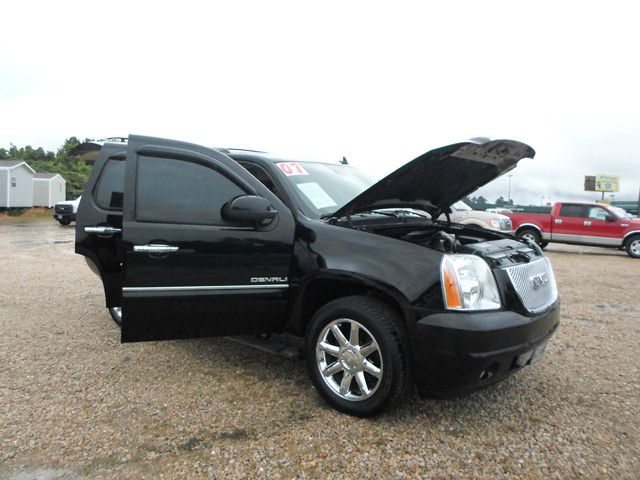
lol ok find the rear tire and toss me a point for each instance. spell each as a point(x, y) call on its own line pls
point(530, 234)
point(365, 361)
point(632, 246)
point(543, 245)
point(65, 221)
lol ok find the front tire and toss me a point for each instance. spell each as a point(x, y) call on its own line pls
point(357, 355)
point(65, 221)
point(632, 246)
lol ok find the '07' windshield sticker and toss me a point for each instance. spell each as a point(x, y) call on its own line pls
point(292, 168)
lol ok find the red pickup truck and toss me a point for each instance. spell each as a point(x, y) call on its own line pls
point(581, 224)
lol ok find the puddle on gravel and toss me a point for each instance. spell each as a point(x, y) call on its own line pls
point(39, 242)
point(43, 474)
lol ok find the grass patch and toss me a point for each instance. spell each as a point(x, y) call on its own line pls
point(21, 215)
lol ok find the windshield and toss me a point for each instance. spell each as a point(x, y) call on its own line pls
point(460, 206)
point(323, 188)
point(620, 212)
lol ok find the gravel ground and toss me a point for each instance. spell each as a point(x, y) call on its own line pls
point(75, 403)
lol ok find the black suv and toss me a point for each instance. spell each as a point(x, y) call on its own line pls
point(191, 241)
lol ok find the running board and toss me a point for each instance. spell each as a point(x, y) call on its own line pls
point(283, 345)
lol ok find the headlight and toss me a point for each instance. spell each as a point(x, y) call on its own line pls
point(495, 224)
point(468, 284)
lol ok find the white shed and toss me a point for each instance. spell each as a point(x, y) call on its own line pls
point(48, 189)
point(16, 184)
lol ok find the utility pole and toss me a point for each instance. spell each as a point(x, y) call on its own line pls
point(638, 212)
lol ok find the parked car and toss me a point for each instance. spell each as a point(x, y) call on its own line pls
point(65, 212)
point(191, 241)
point(580, 223)
point(465, 215)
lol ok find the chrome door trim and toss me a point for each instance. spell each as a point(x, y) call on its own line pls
point(587, 239)
point(204, 287)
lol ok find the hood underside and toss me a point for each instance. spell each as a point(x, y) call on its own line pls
point(437, 179)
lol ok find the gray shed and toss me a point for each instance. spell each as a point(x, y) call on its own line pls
point(16, 184)
point(48, 189)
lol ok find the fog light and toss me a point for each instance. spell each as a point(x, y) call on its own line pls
point(487, 373)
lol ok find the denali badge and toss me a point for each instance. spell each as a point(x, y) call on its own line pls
point(539, 280)
point(268, 279)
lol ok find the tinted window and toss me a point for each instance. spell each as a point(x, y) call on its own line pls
point(110, 186)
point(568, 210)
point(176, 191)
point(264, 178)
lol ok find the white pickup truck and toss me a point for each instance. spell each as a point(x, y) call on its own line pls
point(465, 215)
point(65, 212)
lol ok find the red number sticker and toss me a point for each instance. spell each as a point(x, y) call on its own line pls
point(292, 168)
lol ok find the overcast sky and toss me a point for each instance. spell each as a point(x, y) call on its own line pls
point(378, 84)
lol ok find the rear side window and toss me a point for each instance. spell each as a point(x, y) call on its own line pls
point(110, 187)
point(568, 210)
point(177, 191)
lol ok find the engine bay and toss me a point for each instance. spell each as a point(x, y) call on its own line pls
point(498, 249)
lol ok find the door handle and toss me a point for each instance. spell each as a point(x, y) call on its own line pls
point(155, 248)
point(102, 230)
point(587, 223)
point(557, 220)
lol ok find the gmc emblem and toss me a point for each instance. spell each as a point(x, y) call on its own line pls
point(539, 280)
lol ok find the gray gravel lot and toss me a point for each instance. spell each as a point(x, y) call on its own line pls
point(75, 403)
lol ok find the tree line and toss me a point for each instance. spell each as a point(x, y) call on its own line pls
point(481, 203)
point(74, 170)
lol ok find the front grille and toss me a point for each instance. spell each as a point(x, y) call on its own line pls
point(64, 209)
point(505, 224)
point(534, 283)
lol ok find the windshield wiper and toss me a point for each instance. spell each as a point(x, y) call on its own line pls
point(394, 212)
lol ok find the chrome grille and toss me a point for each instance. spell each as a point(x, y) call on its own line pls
point(505, 224)
point(534, 283)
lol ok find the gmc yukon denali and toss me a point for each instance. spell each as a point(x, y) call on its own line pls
point(191, 241)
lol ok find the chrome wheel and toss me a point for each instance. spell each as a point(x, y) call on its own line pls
point(634, 247)
point(530, 237)
point(349, 359)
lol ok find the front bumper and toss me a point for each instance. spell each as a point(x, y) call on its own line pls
point(64, 216)
point(457, 353)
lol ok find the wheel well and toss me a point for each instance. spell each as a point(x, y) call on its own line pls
point(528, 227)
point(630, 237)
point(320, 292)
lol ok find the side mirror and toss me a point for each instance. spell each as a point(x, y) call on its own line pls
point(248, 210)
point(610, 218)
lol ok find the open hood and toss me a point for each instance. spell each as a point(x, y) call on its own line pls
point(437, 179)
